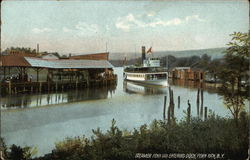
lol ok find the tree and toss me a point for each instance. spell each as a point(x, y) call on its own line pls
point(234, 74)
point(20, 49)
point(214, 68)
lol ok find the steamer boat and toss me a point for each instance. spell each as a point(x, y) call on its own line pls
point(150, 72)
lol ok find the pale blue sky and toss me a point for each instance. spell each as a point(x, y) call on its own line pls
point(86, 26)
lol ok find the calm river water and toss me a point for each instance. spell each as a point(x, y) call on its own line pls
point(42, 120)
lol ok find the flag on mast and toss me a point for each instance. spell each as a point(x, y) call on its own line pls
point(149, 50)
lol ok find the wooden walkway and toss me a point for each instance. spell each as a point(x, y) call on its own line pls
point(41, 87)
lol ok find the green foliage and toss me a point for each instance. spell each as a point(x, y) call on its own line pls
point(214, 135)
point(235, 73)
point(21, 49)
point(19, 153)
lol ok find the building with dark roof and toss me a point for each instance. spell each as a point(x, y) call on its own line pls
point(95, 56)
point(53, 69)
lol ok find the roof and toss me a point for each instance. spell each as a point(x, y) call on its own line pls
point(13, 60)
point(181, 68)
point(65, 64)
point(17, 61)
point(50, 54)
point(95, 56)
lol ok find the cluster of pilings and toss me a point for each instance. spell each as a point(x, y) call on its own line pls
point(171, 116)
point(42, 87)
point(199, 103)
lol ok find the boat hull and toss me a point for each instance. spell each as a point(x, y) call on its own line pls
point(141, 78)
point(151, 82)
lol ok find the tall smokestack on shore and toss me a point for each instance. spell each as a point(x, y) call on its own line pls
point(37, 48)
point(143, 54)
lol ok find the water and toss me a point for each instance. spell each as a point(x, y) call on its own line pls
point(42, 120)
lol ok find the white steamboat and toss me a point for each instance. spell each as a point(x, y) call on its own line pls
point(149, 73)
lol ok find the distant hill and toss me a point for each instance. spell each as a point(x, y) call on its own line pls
point(213, 52)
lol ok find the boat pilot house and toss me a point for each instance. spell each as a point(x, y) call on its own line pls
point(35, 74)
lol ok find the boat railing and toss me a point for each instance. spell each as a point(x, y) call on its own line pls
point(145, 70)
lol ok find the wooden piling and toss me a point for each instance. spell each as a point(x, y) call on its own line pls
point(198, 101)
point(169, 115)
point(188, 112)
point(40, 87)
point(48, 87)
point(172, 104)
point(56, 86)
point(202, 97)
point(76, 84)
point(205, 115)
point(164, 108)
point(201, 112)
point(179, 101)
point(9, 87)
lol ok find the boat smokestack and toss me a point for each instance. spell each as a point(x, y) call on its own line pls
point(143, 54)
point(37, 48)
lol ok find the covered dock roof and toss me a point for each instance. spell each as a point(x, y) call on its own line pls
point(16, 61)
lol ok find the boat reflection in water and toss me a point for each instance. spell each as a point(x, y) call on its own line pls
point(37, 100)
point(144, 89)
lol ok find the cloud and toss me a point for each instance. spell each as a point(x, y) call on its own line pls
point(41, 30)
point(87, 29)
point(194, 17)
point(131, 21)
point(66, 30)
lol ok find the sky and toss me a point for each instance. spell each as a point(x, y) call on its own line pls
point(123, 26)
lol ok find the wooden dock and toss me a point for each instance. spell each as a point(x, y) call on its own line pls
point(9, 88)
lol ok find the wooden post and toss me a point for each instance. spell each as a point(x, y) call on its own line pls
point(164, 108)
point(205, 116)
point(40, 87)
point(4, 72)
point(172, 104)
point(9, 87)
point(179, 101)
point(202, 97)
point(56, 86)
point(0, 90)
point(169, 114)
point(48, 86)
point(189, 112)
point(37, 74)
point(201, 114)
point(76, 84)
point(198, 101)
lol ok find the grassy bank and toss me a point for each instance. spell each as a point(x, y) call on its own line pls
point(215, 135)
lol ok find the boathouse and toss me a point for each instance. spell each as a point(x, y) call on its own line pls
point(187, 73)
point(42, 73)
